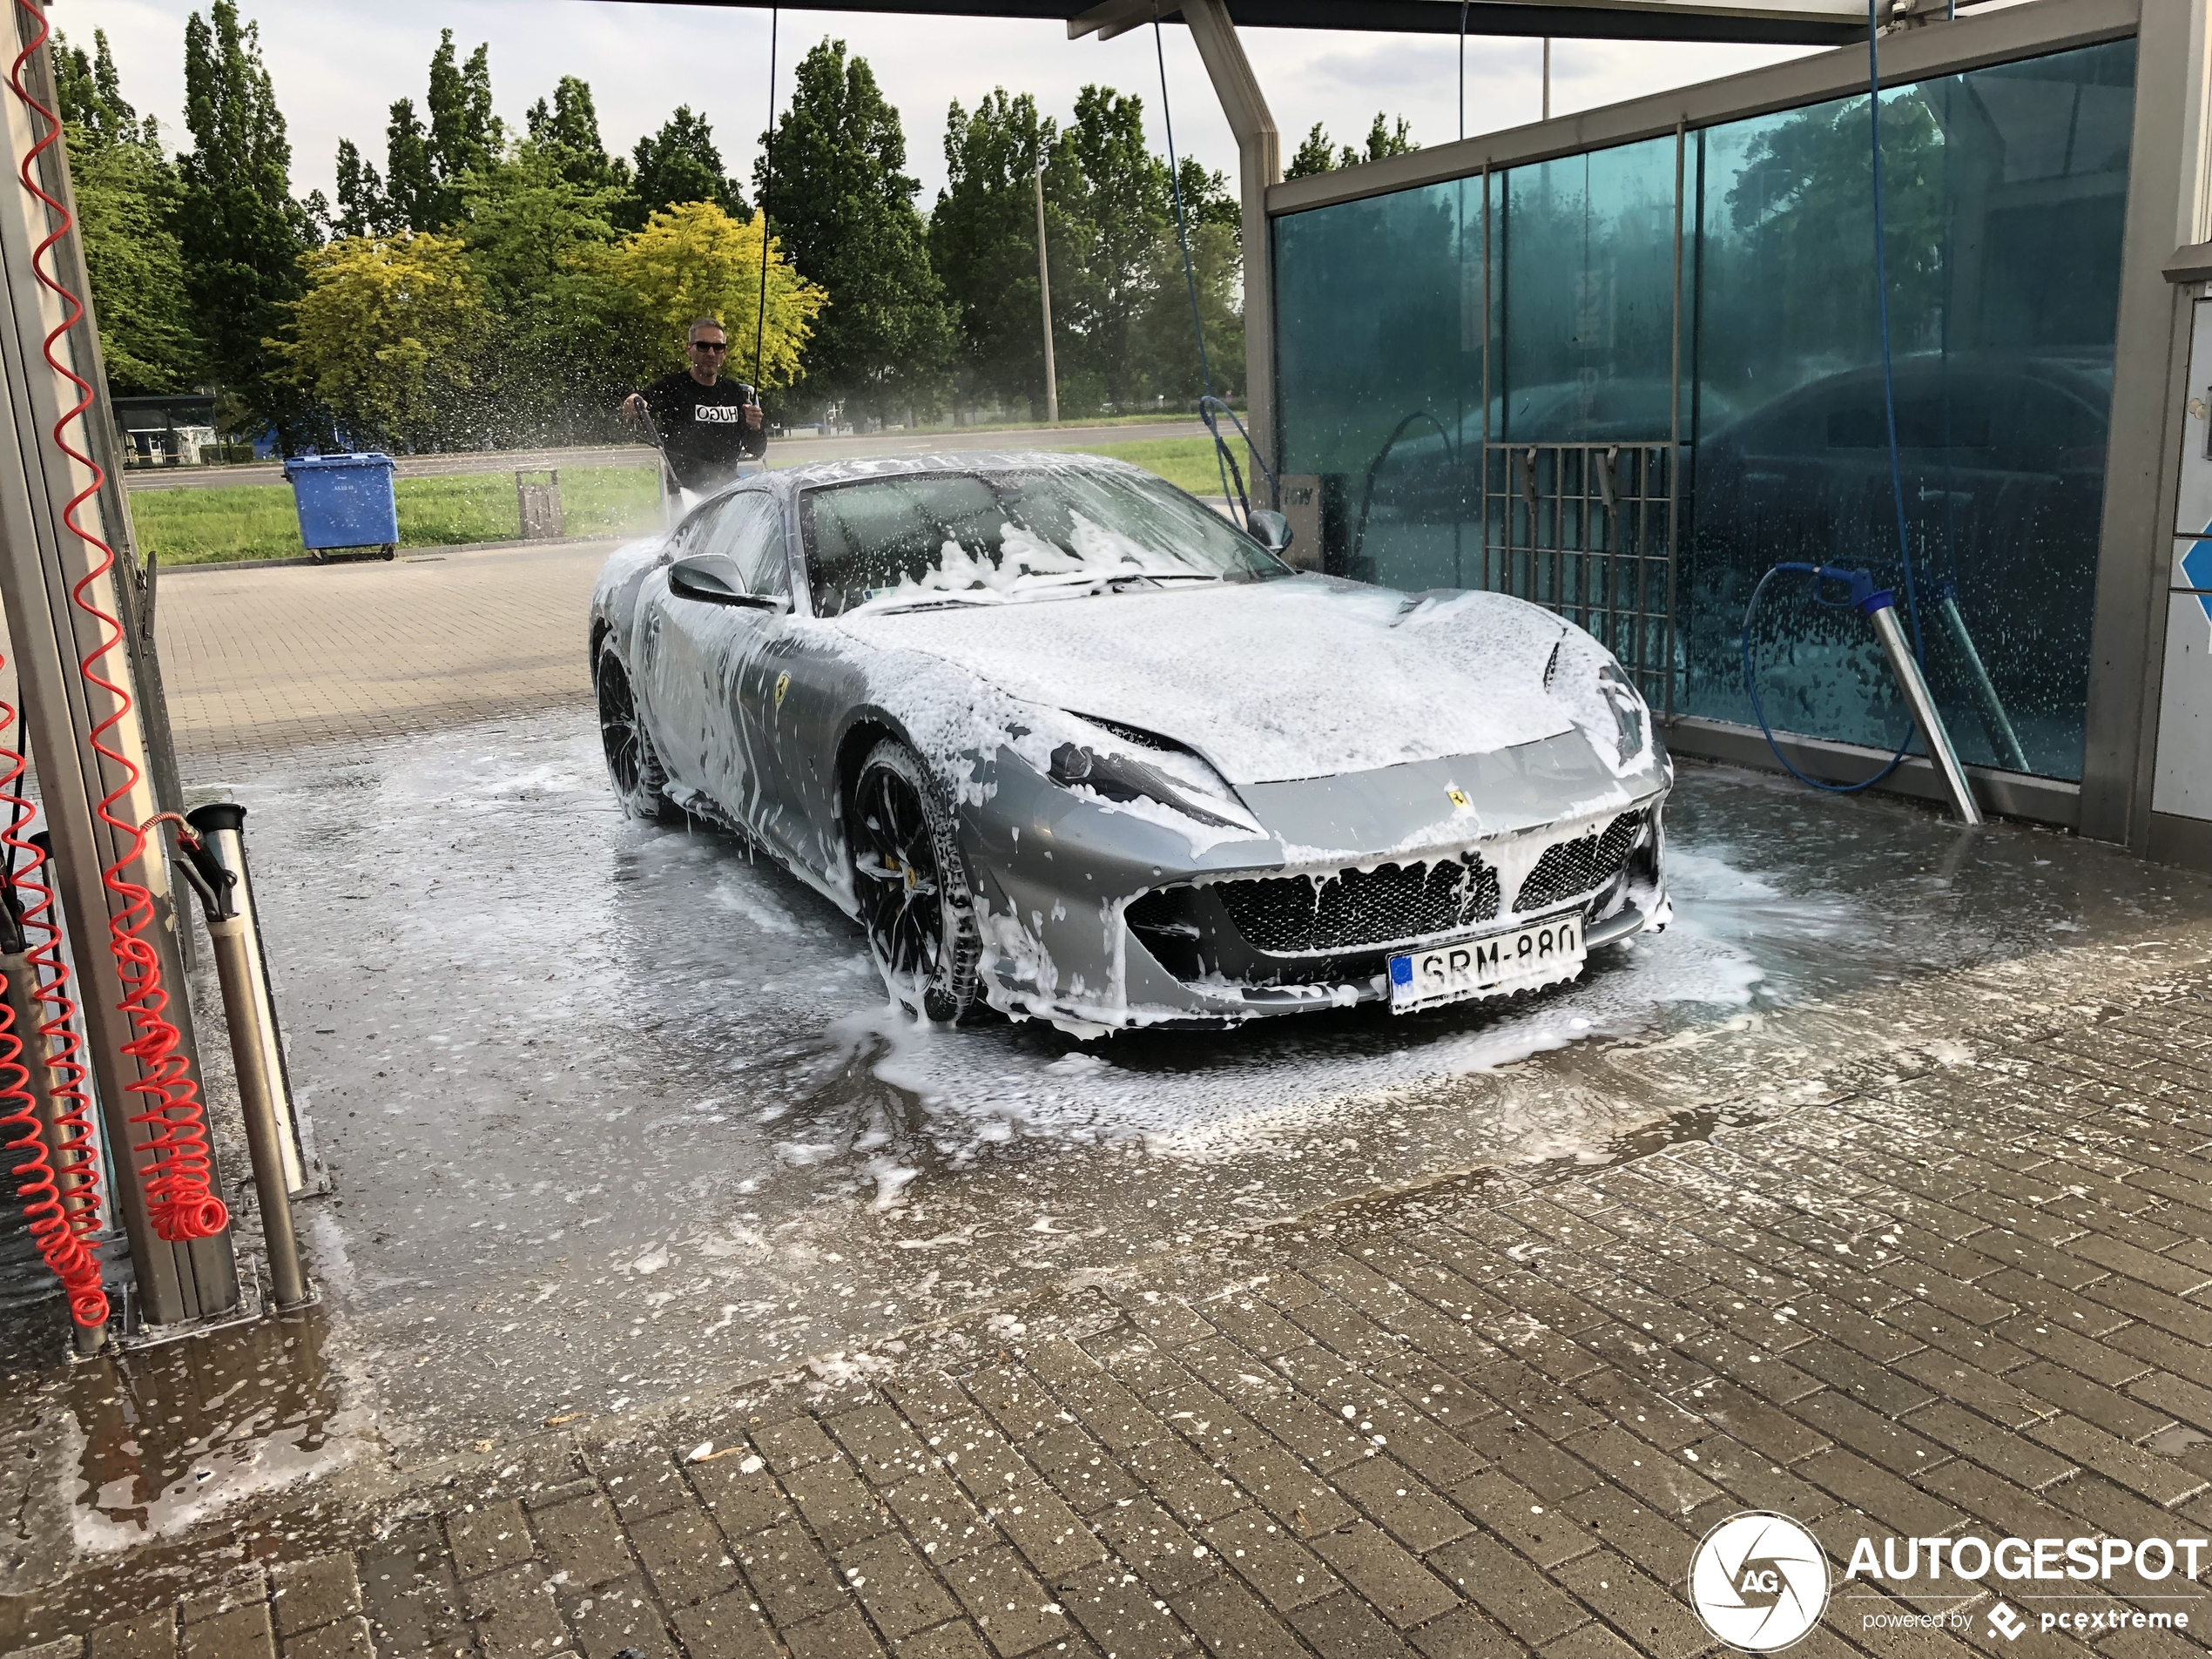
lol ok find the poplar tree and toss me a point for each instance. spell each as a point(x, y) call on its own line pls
point(241, 232)
point(983, 239)
point(842, 208)
point(680, 164)
point(464, 135)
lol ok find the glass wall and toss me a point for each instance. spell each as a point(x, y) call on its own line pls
point(2003, 196)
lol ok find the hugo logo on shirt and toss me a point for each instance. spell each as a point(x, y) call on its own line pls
point(718, 414)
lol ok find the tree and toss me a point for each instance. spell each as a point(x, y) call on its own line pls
point(568, 130)
point(413, 200)
point(241, 233)
point(982, 240)
point(844, 209)
point(127, 197)
point(363, 209)
point(387, 338)
point(1315, 154)
point(695, 260)
point(1122, 209)
point(680, 164)
point(464, 133)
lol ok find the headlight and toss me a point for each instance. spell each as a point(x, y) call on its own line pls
point(1600, 698)
point(1122, 763)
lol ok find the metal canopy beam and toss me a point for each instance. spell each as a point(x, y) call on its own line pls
point(1785, 23)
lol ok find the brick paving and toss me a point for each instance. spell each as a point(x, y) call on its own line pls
point(1956, 1289)
point(257, 661)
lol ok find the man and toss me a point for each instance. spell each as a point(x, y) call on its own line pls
point(707, 425)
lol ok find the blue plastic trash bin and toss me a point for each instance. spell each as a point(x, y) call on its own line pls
point(345, 502)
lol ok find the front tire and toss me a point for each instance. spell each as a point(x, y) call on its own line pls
point(911, 884)
point(633, 765)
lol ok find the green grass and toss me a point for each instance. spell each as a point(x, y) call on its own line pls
point(205, 526)
point(258, 521)
point(1187, 463)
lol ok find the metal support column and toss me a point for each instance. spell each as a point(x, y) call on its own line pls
point(1259, 164)
point(2169, 179)
point(40, 563)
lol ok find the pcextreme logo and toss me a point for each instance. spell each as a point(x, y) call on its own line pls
point(1759, 1582)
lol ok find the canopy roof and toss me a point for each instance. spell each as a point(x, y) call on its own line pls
point(1789, 23)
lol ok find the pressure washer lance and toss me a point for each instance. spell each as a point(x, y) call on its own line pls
point(1878, 606)
point(231, 930)
point(19, 985)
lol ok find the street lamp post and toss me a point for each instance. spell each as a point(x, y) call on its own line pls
point(1044, 291)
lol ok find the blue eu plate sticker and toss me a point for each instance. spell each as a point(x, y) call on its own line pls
point(1401, 970)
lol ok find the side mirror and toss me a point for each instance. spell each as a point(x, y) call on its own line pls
point(1271, 530)
point(712, 577)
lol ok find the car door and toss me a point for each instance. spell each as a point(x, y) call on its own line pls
point(694, 651)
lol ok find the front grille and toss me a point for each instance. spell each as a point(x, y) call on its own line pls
point(1570, 869)
point(1301, 915)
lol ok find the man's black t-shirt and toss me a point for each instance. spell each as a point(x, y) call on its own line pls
point(703, 429)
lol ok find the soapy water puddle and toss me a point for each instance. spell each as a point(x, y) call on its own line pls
point(619, 1116)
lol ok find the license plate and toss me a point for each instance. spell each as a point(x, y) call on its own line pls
point(1518, 960)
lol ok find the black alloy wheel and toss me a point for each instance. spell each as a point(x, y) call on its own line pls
point(912, 885)
point(633, 766)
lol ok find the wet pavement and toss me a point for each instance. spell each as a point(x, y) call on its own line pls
point(619, 1116)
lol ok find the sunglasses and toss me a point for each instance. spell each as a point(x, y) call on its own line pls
point(709, 345)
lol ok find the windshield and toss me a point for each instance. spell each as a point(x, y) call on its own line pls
point(977, 538)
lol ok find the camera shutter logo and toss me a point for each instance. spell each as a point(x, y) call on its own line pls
point(1759, 1582)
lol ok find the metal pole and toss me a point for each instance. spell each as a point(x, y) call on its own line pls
point(41, 564)
point(19, 983)
point(1044, 291)
point(1547, 78)
point(231, 926)
point(222, 831)
point(1674, 448)
point(1898, 650)
point(1998, 723)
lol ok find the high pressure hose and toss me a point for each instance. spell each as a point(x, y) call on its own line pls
point(1897, 471)
point(59, 1185)
point(180, 1203)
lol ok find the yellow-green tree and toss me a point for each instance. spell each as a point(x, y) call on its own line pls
point(695, 260)
point(388, 337)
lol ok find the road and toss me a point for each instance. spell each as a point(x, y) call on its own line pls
point(786, 452)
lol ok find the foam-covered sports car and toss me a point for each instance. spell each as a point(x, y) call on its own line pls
point(1071, 745)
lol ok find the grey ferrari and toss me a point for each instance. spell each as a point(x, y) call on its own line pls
point(1069, 745)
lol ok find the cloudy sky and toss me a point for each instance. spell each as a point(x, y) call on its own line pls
point(338, 64)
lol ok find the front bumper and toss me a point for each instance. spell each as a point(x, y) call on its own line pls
point(1097, 920)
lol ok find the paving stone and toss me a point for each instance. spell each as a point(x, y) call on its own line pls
point(641, 1480)
point(487, 1539)
point(1285, 1487)
point(955, 1641)
point(1344, 1627)
point(833, 1502)
point(1286, 1573)
point(1526, 1602)
point(1464, 1633)
point(793, 1443)
point(1752, 1479)
point(345, 1638)
point(841, 1634)
point(1013, 1610)
point(515, 1614)
point(789, 1572)
point(880, 1444)
point(1018, 1402)
point(1869, 1433)
point(1398, 1586)
point(615, 1618)
point(1402, 1503)
point(1080, 1469)
point(1664, 1482)
point(409, 1590)
point(1119, 1612)
point(2161, 1481)
point(685, 1554)
point(1149, 1540)
point(1231, 1621)
point(2116, 1414)
point(895, 1586)
point(937, 1513)
point(1051, 1535)
point(729, 1627)
point(228, 1594)
point(61, 1647)
point(1547, 1533)
point(1651, 1617)
point(150, 1635)
point(741, 1501)
point(582, 1539)
point(305, 1595)
point(241, 1633)
point(928, 1396)
point(2001, 1450)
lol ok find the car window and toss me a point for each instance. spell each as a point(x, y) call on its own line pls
point(749, 533)
point(988, 538)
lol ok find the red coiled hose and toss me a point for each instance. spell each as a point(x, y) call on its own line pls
point(63, 1223)
point(179, 1201)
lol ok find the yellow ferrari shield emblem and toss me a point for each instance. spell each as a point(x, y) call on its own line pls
point(782, 684)
point(1458, 796)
